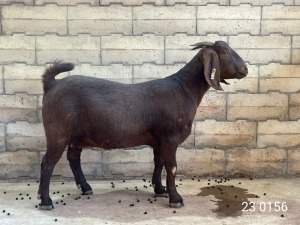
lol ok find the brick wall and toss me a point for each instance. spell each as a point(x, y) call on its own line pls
point(250, 128)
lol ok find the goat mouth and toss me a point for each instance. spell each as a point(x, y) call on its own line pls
point(241, 75)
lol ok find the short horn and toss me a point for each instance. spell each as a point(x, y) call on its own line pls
point(202, 44)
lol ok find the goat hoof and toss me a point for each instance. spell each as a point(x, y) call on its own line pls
point(90, 192)
point(176, 205)
point(46, 207)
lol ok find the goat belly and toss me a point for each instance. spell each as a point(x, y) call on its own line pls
point(117, 141)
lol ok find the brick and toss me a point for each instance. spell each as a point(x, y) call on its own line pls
point(25, 2)
point(228, 27)
point(39, 108)
point(24, 135)
point(130, 57)
point(204, 162)
point(148, 72)
point(66, 2)
point(212, 106)
point(100, 27)
point(85, 12)
point(145, 42)
point(282, 134)
point(286, 27)
point(197, 2)
point(34, 19)
point(149, 12)
point(296, 42)
point(16, 11)
point(296, 56)
point(275, 70)
point(28, 86)
point(132, 2)
point(1, 80)
point(164, 27)
point(132, 50)
point(128, 162)
point(18, 107)
point(100, 20)
point(23, 72)
point(17, 164)
point(280, 12)
point(257, 106)
point(81, 48)
point(178, 49)
point(80, 42)
point(114, 72)
point(17, 48)
point(294, 107)
point(2, 137)
point(273, 41)
point(24, 78)
point(243, 12)
point(190, 141)
point(279, 84)
point(246, 84)
point(258, 2)
point(17, 41)
point(293, 167)
point(256, 162)
point(225, 134)
point(264, 56)
point(164, 20)
point(34, 27)
point(262, 49)
point(184, 42)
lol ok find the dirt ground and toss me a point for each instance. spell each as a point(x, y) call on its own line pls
point(207, 201)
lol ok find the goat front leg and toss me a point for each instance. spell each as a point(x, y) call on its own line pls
point(169, 156)
point(73, 156)
point(159, 189)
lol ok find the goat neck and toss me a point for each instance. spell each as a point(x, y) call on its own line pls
point(192, 80)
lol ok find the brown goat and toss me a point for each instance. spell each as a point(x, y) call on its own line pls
point(81, 111)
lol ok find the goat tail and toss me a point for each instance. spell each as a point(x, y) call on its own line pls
point(50, 73)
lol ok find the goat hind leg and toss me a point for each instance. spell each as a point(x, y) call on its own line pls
point(73, 156)
point(49, 161)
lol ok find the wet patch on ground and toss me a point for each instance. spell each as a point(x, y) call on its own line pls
point(231, 200)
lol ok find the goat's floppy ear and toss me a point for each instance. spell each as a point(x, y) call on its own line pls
point(211, 68)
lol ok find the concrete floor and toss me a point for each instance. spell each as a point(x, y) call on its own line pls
point(222, 204)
